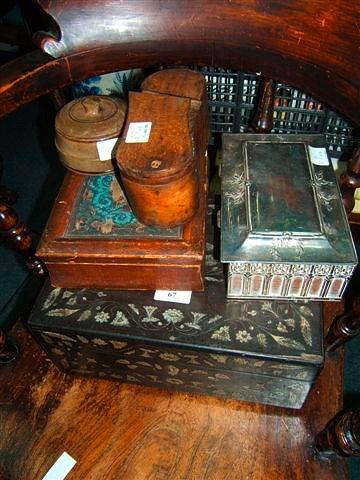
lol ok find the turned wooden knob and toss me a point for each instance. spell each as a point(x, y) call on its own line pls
point(344, 327)
point(8, 217)
point(341, 436)
point(91, 106)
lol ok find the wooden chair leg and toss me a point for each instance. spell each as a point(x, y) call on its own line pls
point(9, 351)
point(19, 238)
point(344, 328)
point(341, 436)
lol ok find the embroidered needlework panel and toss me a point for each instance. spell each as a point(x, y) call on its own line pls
point(102, 210)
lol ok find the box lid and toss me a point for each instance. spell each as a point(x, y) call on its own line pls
point(281, 201)
point(271, 330)
point(91, 118)
point(180, 82)
point(168, 152)
point(91, 221)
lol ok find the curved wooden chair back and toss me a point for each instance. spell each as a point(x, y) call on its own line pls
point(309, 44)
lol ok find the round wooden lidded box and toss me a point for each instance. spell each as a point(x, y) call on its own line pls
point(86, 131)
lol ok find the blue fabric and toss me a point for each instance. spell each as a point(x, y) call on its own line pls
point(101, 212)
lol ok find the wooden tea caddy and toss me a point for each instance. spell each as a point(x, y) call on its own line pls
point(160, 173)
point(84, 127)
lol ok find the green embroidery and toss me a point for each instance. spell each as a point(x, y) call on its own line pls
point(103, 210)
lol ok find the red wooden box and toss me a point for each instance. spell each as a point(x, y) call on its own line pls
point(93, 239)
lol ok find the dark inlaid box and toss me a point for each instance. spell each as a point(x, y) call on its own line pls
point(93, 239)
point(259, 351)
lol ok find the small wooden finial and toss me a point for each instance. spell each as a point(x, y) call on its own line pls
point(344, 328)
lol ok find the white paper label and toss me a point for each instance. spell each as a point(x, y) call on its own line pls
point(61, 467)
point(105, 148)
point(318, 156)
point(138, 132)
point(176, 296)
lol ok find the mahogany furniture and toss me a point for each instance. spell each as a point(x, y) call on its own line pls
point(184, 436)
point(341, 435)
point(277, 40)
point(344, 327)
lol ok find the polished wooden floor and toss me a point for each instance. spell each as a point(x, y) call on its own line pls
point(118, 431)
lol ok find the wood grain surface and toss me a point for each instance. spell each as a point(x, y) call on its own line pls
point(118, 431)
point(311, 44)
point(145, 263)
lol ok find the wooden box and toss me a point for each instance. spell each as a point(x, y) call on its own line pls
point(160, 176)
point(93, 239)
point(284, 232)
point(165, 137)
point(188, 84)
point(259, 351)
point(83, 127)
